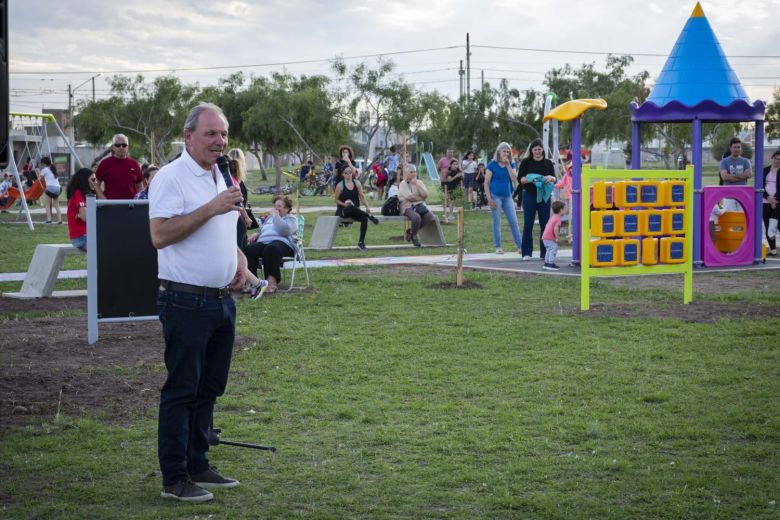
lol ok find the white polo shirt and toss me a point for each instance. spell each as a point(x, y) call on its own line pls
point(208, 256)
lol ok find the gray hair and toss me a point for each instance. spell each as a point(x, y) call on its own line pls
point(191, 123)
point(123, 136)
point(501, 146)
point(410, 167)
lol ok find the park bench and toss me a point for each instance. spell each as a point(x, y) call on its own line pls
point(326, 228)
point(44, 270)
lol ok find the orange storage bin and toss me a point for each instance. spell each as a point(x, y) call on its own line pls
point(603, 253)
point(627, 194)
point(627, 252)
point(651, 222)
point(672, 250)
point(674, 193)
point(674, 222)
point(602, 223)
point(627, 223)
point(729, 231)
point(649, 251)
point(603, 195)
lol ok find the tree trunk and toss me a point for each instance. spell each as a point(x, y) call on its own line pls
point(278, 170)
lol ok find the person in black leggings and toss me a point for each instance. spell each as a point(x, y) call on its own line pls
point(349, 195)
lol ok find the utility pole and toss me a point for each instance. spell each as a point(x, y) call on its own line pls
point(482, 86)
point(93, 88)
point(460, 73)
point(468, 68)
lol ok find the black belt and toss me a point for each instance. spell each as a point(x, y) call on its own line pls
point(206, 292)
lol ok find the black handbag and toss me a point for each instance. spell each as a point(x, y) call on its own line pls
point(421, 208)
point(391, 207)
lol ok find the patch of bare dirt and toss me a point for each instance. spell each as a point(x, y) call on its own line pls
point(466, 285)
point(694, 312)
point(47, 367)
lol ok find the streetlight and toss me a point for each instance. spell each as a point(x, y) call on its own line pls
point(72, 91)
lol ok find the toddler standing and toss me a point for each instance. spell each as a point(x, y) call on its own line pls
point(550, 236)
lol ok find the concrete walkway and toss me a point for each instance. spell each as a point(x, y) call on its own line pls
point(510, 262)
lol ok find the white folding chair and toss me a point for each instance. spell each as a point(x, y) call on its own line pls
point(299, 258)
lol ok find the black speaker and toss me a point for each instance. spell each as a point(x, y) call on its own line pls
point(4, 93)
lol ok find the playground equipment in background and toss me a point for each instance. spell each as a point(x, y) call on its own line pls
point(737, 228)
point(426, 158)
point(34, 127)
point(637, 226)
point(30, 195)
point(573, 111)
point(698, 85)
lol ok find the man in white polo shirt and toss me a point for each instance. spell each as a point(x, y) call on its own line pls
point(192, 218)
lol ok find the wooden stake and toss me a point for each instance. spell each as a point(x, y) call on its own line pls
point(459, 270)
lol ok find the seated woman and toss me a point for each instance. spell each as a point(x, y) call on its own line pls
point(80, 186)
point(275, 241)
point(412, 194)
point(349, 195)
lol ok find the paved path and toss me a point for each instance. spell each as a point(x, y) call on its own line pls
point(487, 261)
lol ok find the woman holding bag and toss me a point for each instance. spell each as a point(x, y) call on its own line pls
point(412, 194)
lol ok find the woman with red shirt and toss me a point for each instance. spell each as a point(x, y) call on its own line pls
point(80, 186)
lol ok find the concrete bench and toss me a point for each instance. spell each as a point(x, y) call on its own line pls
point(44, 270)
point(326, 228)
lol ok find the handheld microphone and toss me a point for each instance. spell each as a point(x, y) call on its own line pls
point(223, 163)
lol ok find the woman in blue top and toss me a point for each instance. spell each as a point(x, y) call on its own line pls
point(500, 178)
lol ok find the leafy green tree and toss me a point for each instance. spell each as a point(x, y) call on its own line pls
point(773, 116)
point(369, 97)
point(151, 114)
point(286, 114)
point(613, 85)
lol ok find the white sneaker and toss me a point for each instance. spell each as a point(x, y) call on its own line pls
point(526, 258)
point(259, 289)
point(499, 251)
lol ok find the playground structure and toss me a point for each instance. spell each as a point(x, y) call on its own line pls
point(696, 85)
point(30, 128)
point(641, 226)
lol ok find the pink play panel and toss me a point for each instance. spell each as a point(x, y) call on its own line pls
point(711, 257)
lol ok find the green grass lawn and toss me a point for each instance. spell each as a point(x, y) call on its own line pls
point(388, 397)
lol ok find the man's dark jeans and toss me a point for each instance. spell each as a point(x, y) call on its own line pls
point(199, 334)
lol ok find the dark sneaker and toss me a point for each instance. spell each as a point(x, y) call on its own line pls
point(361, 246)
point(373, 219)
point(416, 242)
point(186, 491)
point(408, 235)
point(211, 479)
point(551, 267)
point(555, 267)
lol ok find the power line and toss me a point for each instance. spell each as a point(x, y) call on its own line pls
point(222, 67)
point(601, 53)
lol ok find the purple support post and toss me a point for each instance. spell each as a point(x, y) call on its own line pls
point(576, 188)
point(696, 140)
point(636, 144)
point(758, 170)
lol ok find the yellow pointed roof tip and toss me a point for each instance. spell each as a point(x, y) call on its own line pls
point(698, 12)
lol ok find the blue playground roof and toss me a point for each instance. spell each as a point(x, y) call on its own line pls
point(697, 68)
point(697, 81)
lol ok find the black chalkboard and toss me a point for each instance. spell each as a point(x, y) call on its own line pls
point(127, 262)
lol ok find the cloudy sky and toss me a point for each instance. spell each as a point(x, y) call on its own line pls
point(55, 43)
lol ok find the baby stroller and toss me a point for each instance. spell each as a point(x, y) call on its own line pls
point(481, 197)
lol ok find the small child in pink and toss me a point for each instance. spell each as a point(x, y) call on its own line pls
point(550, 236)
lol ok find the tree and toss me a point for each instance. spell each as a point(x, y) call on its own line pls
point(613, 85)
point(150, 113)
point(773, 116)
point(286, 114)
point(369, 96)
